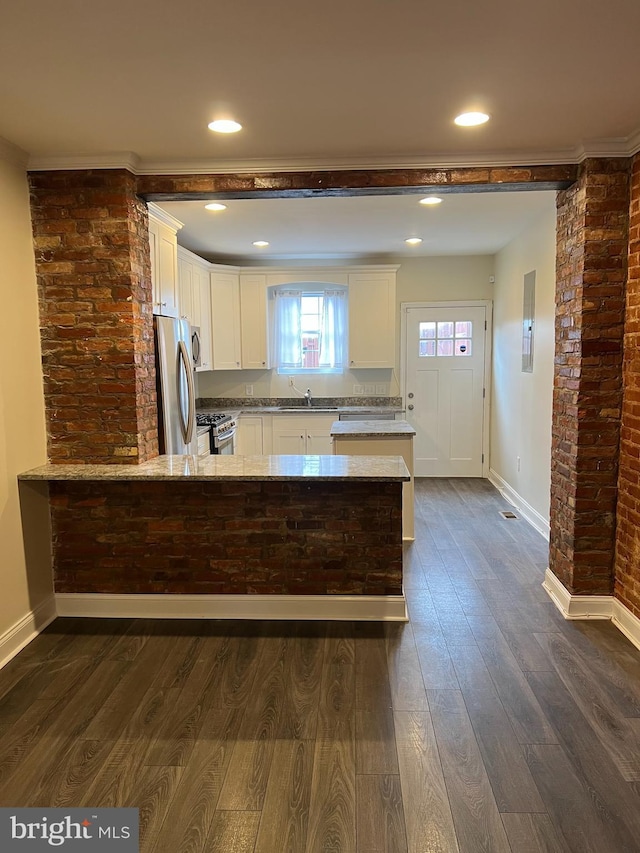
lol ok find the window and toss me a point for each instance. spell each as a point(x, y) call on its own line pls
point(445, 339)
point(311, 330)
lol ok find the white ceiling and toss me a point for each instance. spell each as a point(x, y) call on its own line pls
point(363, 227)
point(329, 84)
point(363, 83)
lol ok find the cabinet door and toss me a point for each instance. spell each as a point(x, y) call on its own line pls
point(167, 271)
point(372, 320)
point(153, 250)
point(254, 322)
point(202, 315)
point(185, 291)
point(289, 435)
point(249, 436)
point(319, 441)
point(225, 324)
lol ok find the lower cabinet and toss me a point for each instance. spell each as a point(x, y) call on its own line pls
point(250, 436)
point(302, 435)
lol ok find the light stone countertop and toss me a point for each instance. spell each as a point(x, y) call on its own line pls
point(371, 429)
point(335, 468)
point(302, 410)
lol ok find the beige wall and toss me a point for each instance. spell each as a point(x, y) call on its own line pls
point(418, 279)
point(22, 425)
point(521, 402)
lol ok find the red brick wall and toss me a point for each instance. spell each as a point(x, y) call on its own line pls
point(627, 569)
point(93, 267)
point(590, 292)
point(256, 537)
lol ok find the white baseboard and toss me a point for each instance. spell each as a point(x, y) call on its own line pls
point(19, 635)
point(525, 509)
point(592, 607)
point(363, 608)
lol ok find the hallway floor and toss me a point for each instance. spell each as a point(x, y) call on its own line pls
point(486, 724)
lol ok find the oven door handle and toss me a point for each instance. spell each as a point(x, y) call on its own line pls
point(227, 435)
point(186, 423)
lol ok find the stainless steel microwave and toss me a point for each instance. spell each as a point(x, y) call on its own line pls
point(195, 346)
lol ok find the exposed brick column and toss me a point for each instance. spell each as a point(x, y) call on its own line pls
point(627, 573)
point(93, 267)
point(591, 267)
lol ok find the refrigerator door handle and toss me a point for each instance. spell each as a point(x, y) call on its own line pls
point(186, 424)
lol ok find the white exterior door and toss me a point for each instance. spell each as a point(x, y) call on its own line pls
point(444, 390)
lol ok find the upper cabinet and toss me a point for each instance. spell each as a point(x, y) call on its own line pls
point(254, 321)
point(372, 319)
point(163, 245)
point(194, 294)
point(225, 322)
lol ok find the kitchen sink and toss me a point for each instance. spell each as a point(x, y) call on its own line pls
point(302, 409)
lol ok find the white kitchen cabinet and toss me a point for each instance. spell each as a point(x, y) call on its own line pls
point(298, 434)
point(254, 321)
point(163, 246)
point(202, 315)
point(225, 320)
point(372, 319)
point(194, 293)
point(249, 437)
point(185, 289)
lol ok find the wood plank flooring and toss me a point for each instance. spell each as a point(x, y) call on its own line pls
point(487, 724)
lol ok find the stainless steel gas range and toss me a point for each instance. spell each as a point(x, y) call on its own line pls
point(222, 431)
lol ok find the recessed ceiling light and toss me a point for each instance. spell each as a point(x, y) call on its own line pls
point(260, 243)
point(413, 241)
point(471, 119)
point(215, 205)
point(431, 199)
point(225, 125)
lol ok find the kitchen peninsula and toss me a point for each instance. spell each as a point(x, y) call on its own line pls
point(387, 438)
point(228, 537)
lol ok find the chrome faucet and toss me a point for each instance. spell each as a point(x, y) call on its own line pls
point(307, 396)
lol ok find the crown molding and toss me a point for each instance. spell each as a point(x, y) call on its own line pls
point(625, 146)
point(71, 162)
point(163, 216)
point(13, 154)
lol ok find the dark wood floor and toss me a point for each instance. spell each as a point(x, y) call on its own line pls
point(486, 724)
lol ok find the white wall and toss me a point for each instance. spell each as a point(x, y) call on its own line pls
point(26, 579)
point(420, 278)
point(521, 402)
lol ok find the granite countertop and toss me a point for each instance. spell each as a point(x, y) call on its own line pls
point(371, 468)
point(301, 410)
point(373, 429)
point(295, 405)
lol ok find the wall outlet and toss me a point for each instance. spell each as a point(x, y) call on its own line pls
point(369, 388)
point(291, 382)
point(517, 463)
point(381, 388)
point(248, 390)
point(358, 390)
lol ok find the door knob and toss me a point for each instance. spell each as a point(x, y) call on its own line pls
point(410, 407)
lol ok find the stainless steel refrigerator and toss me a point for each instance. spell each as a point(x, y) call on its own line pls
point(176, 387)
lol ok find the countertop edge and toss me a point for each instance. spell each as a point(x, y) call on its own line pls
point(384, 469)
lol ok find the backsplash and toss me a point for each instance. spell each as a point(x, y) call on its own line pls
point(291, 402)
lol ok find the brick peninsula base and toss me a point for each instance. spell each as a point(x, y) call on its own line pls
point(319, 526)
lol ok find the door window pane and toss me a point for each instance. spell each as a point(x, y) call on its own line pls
point(427, 330)
point(463, 329)
point(463, 346)
point(445, 330)
point(427, 349)
point(445, 347)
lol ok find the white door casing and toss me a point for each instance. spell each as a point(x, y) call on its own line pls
point(446, 353)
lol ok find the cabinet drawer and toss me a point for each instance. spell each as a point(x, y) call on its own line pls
point(204, 444)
